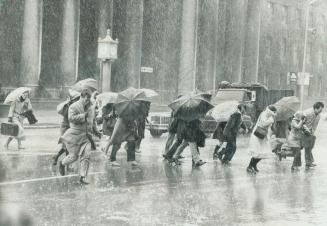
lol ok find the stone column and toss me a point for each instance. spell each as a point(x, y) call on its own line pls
point(31, 43)
point(252, 40)
point(69, 44)
point(187, 70)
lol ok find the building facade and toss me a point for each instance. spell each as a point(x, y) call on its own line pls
point(190, 44)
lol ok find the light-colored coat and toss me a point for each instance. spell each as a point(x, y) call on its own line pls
point(75, 138)
point(260, 148)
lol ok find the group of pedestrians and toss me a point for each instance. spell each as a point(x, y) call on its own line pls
point(80, 127)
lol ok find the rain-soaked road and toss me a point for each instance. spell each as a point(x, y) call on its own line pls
point(160, 194)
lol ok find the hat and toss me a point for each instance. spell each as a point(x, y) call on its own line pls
point(73, 94)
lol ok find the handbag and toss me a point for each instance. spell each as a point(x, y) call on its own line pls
point(260, 132)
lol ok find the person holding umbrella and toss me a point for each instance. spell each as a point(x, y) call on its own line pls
point(189, 109)
point(78, 138)
point(259, 147)
point(19, 104)
point(62, 109)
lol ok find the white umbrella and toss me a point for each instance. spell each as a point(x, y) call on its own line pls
point(107, 97)
point(85, 83)
point(223, 111)
point(15, 94)
point(149, 92)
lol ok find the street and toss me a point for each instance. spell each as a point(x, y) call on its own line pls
point(157, 193)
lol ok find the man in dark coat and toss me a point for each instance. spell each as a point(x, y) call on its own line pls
point(230, 133)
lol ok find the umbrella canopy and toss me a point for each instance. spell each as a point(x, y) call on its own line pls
point(107, 98)
point(15, 94)
point(191, 107)
point(149, 92)
point(286, 107)
point(223, 111)
point(131, 103)
point(73, 94)
point(88, 83)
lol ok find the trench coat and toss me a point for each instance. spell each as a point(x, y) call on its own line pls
point(81, 128)
point(124, 130)
point(260, 148)
point(18, 107)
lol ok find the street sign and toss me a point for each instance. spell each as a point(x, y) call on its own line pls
point(147, 69)
point(303, 78)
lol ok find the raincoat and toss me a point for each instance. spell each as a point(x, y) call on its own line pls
point(17, 108)
point(260, 148)
point(124, 130)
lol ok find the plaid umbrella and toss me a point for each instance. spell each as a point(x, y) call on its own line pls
point(13, 95)
point(286, 107)
point(132, 103)
point(191, 107)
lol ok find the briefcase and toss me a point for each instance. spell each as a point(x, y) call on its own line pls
point(9, 129)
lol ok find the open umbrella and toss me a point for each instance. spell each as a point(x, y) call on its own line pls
point(88, 83)
point(223, 111)
point(131, 103)
point(15, 94)
point(107, 98)
point(191, 107)
point(149, 92)
point(286, 107)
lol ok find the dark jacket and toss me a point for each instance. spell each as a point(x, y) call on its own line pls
point(191, 132)
point(109, 119)
point(233, 125)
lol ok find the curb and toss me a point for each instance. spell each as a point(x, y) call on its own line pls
point(47, 126)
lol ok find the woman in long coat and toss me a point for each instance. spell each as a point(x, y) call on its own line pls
point(259, 148)
point(294, 140)
point(17, 108)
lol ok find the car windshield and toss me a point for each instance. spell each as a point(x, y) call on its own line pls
point(226, 95)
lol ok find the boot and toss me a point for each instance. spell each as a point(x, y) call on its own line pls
point(254, 166)
point(83, 181)
point(250, 169)
point(200, 163)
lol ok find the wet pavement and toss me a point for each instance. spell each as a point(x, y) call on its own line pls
point(157, 193)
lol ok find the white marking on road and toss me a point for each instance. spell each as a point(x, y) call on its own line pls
point(45, 178)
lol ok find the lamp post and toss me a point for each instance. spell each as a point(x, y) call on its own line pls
point(107, 52)
point(308, 4)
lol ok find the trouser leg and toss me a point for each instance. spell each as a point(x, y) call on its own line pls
point(131, 151)
point(230, 149)
point(85, 161)
point(169, 142)
point(8, 141)
point(174, 147)
point(194, 151)
point(180, 149)
point(69, 159)
point(308, 156)
point(297, 157)
point(114, 151)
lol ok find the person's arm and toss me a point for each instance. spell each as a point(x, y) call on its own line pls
point(315, 124)
point(230, 124)
point(75, 116)
point(29, 105)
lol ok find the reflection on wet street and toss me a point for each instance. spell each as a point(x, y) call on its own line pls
point(157, 193)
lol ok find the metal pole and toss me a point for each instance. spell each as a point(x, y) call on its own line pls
point(195, 44)
point(258, 44)
point(305, 52)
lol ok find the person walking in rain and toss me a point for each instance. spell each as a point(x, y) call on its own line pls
point(141, 121)
point(62, 109)
point(17, 109)
point(230, 132)
point(194, 137)
point(294, 141)
point(125, 130)
point(259, 147)
point(312, 119)
point(78, 139)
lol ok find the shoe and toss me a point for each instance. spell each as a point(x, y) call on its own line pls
point(176, 161)
point(250, 170)
point(181, 157)
point(83, 181)
point(255, 169)
point(310, 165)
point(220, 156)
point(133, 163)
point(200, 163)
point(225, 162)
point(115, 163)
point(137, 151)
point(61, 169)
